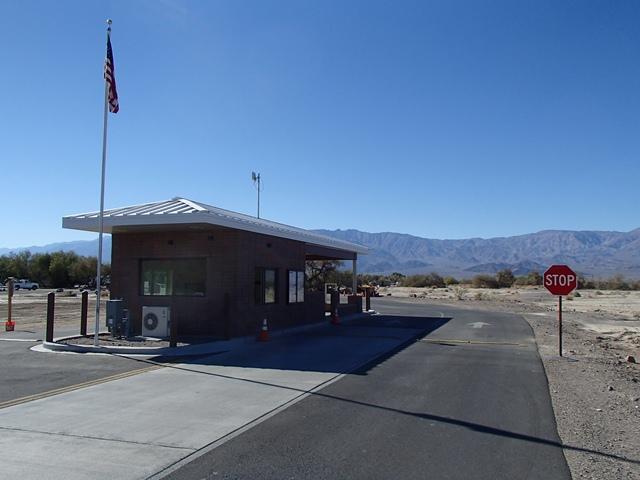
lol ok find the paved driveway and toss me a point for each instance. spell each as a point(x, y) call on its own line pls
point(137, 426)
point(468, 401)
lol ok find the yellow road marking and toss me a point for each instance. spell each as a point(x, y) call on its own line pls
point(77, 386)
point(470, 342)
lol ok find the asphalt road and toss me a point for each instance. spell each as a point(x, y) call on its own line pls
point(24, 372)
point(469, 400)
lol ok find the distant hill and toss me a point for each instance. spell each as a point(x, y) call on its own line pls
point(597, 253)
point(520, 268)
point(81, 247)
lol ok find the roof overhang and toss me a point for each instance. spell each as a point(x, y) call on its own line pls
point(183, 213)
point(317, 252)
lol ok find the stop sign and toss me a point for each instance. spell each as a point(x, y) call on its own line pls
point(560, 280)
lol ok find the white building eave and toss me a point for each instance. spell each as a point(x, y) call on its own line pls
point(180, 211)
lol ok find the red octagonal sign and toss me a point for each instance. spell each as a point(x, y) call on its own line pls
point(560, 280)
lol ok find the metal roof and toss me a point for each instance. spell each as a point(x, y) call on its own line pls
point(181, 211)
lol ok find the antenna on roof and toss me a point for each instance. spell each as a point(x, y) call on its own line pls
point(256, 182)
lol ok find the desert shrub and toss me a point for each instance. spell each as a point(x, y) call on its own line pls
point(458, 293)
point(584, 284)
point(418, 281)
point(413, 281)
point(484, 281)
point(67, 293)
point(505, 278)
point(521, 281)
point(450, 281)
point(435, 280)
point(534, 278)
point(617, 282)
point(395, 277)
point(531, 279)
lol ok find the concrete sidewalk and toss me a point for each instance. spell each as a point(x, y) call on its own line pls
point(137, 426)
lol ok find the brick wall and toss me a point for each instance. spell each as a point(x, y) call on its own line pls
point(231, 256)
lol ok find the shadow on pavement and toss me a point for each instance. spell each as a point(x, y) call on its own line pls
point(334, 349)
point(485, 429)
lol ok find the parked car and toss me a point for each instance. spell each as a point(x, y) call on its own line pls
point(25, 284)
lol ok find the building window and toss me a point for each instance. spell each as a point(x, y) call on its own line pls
point(296, 286)
point(266, 285)
point(180, 277)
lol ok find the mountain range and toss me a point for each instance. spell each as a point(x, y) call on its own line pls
point(81, 247)
point(595, 253)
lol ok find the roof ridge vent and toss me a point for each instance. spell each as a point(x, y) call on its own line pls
point(195, 205)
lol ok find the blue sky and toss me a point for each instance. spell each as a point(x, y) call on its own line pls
point(445, 119)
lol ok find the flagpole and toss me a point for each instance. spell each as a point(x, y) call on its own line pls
point(101, 217)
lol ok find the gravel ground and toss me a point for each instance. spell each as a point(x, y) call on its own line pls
point(596, 400)
point(30, 308)
point(108, 341)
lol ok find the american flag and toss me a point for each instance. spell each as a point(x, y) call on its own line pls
point(110, 78)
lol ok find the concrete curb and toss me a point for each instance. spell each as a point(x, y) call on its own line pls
point(186, 350)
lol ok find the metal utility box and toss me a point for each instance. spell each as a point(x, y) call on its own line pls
point(117, 318)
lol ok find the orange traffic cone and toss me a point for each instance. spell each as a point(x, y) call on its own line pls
point(264, 332)
point(335, 318)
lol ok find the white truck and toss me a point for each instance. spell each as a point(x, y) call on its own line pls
point(25, 284)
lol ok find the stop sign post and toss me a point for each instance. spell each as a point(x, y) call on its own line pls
point(560, 280)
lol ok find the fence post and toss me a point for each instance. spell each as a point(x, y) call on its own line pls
point(83, 313)
point(51, 300)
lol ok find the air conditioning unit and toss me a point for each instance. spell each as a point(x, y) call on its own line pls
point(156, 321)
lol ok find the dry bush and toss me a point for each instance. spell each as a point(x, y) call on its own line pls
point(459, 293)
point(481, 296)
point(67, 293)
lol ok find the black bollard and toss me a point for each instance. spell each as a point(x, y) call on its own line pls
point(83, 313)
point(51, 300)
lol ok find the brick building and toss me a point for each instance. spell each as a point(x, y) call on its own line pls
point(219, 272)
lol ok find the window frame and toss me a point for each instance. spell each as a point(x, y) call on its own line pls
point(141, 261)
point(260, 285)
point(298, 275)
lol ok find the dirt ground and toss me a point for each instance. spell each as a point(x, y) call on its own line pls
point(594, 390)
point(29, 308)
